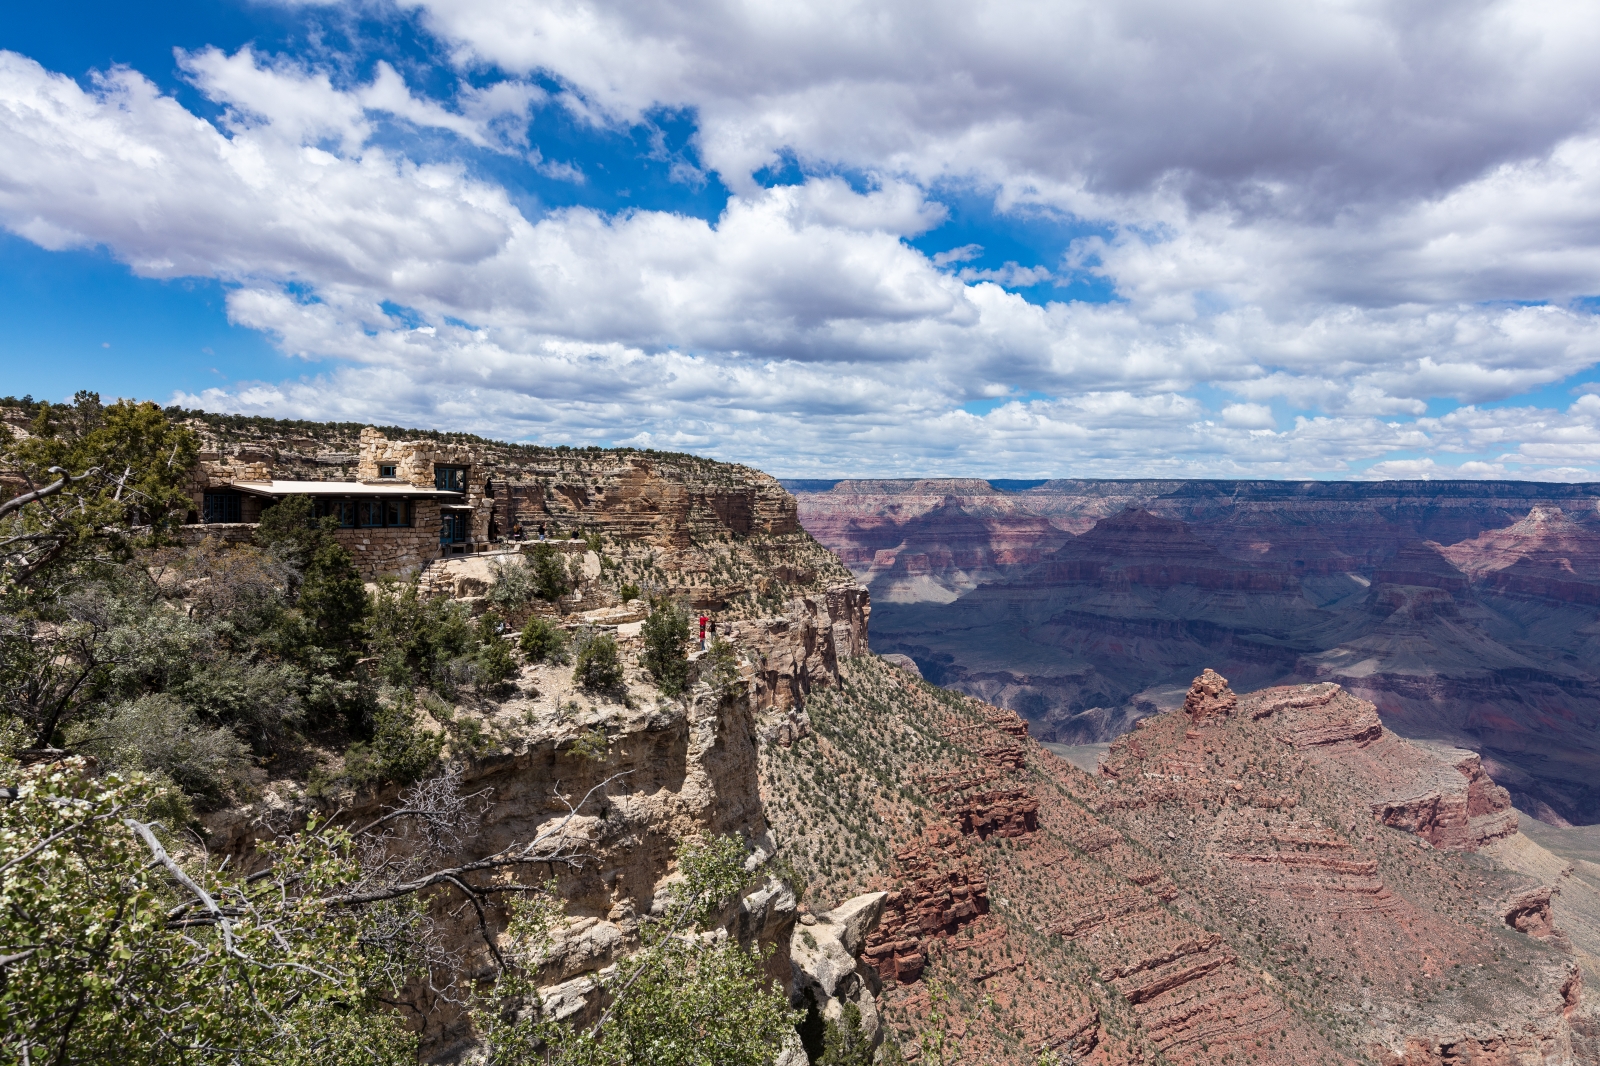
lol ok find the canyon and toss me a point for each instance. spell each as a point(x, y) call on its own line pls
point(1467, 612)
point(1260, 869)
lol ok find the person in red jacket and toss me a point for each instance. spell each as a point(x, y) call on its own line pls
point(703, 621)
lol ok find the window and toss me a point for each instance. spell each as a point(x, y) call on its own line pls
point(223, 507)
point(450, 478)
point(453, 529)
point(367, 513)
point(386, 470)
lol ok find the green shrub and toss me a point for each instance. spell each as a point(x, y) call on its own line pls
point(721, 666)
point(543, 641)
point(590, 745)
point(666, 640)
point(549, 573)
point(159, 734)
point(417, 638)
point(494, 664)
point(599, 668)
point(628, 592)
point(399, 751)
point(845, 1043)
point(332, 595)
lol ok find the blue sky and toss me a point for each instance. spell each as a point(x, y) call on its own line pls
point(829, 239)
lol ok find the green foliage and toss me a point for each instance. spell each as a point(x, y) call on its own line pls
point(628, 591)
point(416, 639)
point(683, 1000)
point(111, 635)
point(720, 666)
point(514, 586)
point(399, 751)
point(783, 868)
point(495, 665)
point(595, 542)
point(125, 470)
point(846, 1044)
point(332, 596)
point(550, 581)
point(666, 642)
point(112, 963)
point(158, 734)
point(542, 640)
point(590, 745)
point(598, 667)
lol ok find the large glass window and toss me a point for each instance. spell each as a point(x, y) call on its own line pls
point(223, 507)
point(366, 513)
point(450, 478)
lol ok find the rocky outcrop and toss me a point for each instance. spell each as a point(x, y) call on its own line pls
point(1209, 697)
point(788, 655)
point(827, 974)
point(939, 891)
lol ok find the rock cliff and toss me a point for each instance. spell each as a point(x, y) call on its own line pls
point(1273, 877)
point(1465, 612)
point(1276, 877)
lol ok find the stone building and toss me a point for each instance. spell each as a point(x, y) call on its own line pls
point(403, 503)
point(411, 502)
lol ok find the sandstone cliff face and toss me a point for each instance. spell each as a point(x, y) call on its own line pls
point(1466, 612)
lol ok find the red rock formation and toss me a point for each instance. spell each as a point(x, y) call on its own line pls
point(1209, 697)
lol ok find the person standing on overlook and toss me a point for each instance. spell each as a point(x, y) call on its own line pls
point(703, 621)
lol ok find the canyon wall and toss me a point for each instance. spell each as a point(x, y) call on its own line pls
point(1466, 611)
point(1273, 877)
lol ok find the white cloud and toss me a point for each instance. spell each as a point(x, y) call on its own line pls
point(1249, 416)
point(1338, 209)
point(1297, 107)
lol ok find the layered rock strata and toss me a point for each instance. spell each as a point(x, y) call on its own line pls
point(1276, 878)
point(1465, 613)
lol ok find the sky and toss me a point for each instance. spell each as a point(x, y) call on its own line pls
point(1175, 238)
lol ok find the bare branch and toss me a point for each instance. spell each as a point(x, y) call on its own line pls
point(160, 855)
point(483, 921)
point(16, 503)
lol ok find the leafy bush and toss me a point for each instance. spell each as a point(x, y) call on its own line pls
point(628, 592)
point(542, 640)
point(721, 666)
point(844, 1043)
point(122, 966)
point(416, 638)
point(331, 592)
point(494, 664)
point(682, 1000)
point(399, 751)
point(156, 733)
point(599, 668)
point(590, 745)
point(128, 468)
point(514, 585)
point(549, 573)
point(666, 640)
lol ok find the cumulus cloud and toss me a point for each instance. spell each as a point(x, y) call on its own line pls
point(1345, 211)
point(1303, 107)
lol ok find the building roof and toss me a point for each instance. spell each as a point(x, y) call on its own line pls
point(390, 490)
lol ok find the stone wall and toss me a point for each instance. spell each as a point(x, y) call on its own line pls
point(395, 551)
